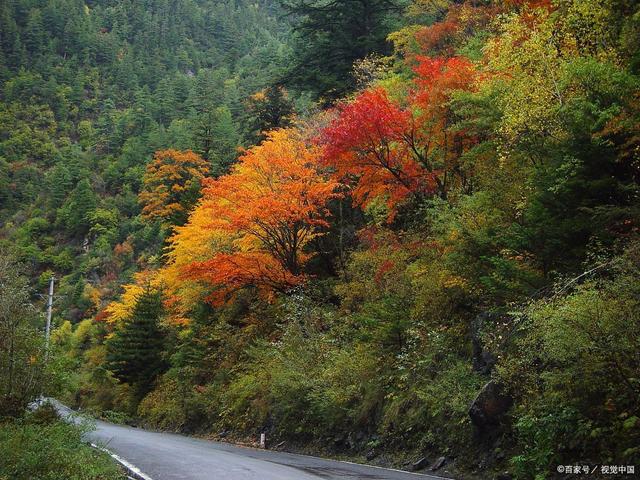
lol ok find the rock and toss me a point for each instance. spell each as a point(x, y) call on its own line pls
point(438, 464)
point(371, 454)
point(483, 360)
point(489, 406)
point(420, 464)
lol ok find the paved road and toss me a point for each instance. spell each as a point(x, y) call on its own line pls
point(166, 456)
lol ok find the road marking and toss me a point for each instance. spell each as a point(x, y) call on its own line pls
point(139, 475)
point(423, 475)
point(417, 474)
point(132, 469)
point(427, 475)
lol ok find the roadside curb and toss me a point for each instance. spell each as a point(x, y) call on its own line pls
point(133, 472)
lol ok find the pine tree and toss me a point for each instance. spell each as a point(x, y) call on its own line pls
point(208, 97)
point(331, 36)
point(271, 109)
point(165, 103)
point(74, 213)
point(59, 182)
point(34, 36)
point(134, 353)
point(225, 141)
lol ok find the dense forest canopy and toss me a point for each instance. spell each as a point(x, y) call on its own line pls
point(398, 228)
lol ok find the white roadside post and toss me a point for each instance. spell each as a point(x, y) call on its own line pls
point(47, 332)
point(263, 440)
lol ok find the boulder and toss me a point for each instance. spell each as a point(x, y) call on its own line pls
point(489, 406)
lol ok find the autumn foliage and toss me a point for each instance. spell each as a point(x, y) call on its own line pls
point(171, 185)
point(385, 149)
point(368, 142)
point(461, 20)
point(267, 210)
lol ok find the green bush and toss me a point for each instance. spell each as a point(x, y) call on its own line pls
point(433, 410)
point(51, 451)
point(573, 369)
point(44, 415)
point(172, 405)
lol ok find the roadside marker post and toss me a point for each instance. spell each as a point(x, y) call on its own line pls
point(47, 333)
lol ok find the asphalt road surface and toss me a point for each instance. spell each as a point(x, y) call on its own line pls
point(166, 456)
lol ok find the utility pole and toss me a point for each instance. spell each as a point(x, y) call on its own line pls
point(47, 332)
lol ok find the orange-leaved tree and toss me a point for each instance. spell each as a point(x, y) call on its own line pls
point(171, 185)
point(271, 204)
point(439, 144)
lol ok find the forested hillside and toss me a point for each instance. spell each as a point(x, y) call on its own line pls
point(380, 229)
point(90, 91)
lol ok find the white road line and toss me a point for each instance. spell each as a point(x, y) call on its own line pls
point(418, 474)
point(427, 475)
point(138, 474)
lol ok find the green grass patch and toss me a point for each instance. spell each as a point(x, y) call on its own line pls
point(53, 450)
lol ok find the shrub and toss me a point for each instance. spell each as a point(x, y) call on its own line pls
point(51, 451)
point(574, 371)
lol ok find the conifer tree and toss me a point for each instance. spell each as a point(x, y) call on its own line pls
point(134, 353)
point(74, 213)
point(225, 141)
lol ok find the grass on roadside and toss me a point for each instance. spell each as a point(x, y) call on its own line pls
point(40, 446)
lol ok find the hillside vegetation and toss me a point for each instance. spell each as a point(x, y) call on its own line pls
point(378, 229)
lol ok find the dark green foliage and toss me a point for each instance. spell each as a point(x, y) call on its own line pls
point(332, 35)
point(25, 370)
point(226, 140)
point(270, 109)
point(21, 348)
point(135, 353)
point(573, 370)
point(49, 450)
point(88, 93)
point(74, 213)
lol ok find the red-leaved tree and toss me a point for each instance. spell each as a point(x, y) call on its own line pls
point(384, 149)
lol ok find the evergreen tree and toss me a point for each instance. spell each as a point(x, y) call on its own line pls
point(134, 353)
point(74, 214)
point(165, 102)
point(34, 32)
point(11, 50)
point(207, 98)
point(332, 35)
point(225, 141)
point(60, 183)
point(270, 109)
